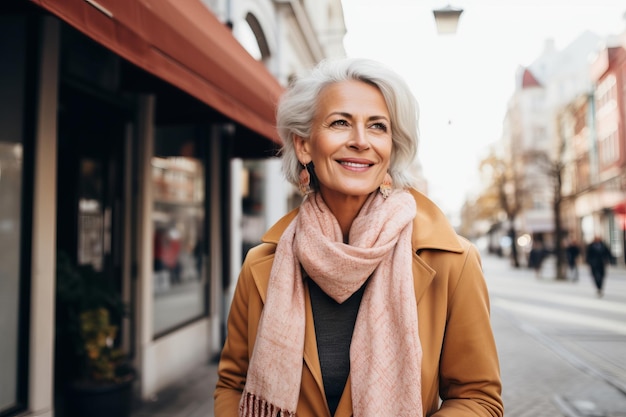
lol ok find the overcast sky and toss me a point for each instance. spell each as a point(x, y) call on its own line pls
point(463, 81)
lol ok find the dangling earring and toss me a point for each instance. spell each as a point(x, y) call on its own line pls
point(386, 187)
point(305, 181)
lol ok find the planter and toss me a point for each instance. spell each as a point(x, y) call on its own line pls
point(88, 399)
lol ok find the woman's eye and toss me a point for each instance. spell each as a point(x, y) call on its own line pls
point(340, 122)
point(380, 126)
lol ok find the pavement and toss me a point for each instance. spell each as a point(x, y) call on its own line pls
point(562, 348)
point(556, 358)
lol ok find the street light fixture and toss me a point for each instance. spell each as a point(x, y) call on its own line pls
point(447, 19)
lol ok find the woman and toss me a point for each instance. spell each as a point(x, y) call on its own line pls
point(363, 301)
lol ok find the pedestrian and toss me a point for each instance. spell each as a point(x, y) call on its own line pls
point(324, 319)
point(598, 255)
point(572, 252)
point(536, 257)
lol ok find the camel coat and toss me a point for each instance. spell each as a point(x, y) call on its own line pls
point(460, 364)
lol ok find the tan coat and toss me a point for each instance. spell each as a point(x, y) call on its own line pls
point(460, 361)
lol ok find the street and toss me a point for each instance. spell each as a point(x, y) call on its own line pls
point(562, 349)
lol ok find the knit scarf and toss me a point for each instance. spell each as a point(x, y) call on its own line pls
point(385, 352)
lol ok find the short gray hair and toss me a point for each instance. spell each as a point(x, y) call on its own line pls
point(298, 105)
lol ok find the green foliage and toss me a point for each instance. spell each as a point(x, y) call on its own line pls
point(87, 307)
point(98, 335)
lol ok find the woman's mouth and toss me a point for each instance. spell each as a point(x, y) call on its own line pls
point(355, 164)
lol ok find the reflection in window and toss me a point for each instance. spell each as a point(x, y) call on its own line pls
point(15, 216)
point(90, 215)
point(178, 221)
point(178, 239)
point(11, 171)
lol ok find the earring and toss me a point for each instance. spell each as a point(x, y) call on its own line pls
point(386, 187)
point(305, 181)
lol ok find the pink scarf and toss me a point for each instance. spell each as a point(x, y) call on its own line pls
point(385, 353)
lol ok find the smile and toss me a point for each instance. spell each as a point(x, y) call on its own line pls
point(355, 164)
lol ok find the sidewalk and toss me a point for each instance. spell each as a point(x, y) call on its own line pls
point(557, 358)
point(540, 377)
point(192, 397)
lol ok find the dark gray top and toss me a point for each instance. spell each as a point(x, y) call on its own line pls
point(334, 324)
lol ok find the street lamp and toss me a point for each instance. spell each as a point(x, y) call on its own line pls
point(447, 19)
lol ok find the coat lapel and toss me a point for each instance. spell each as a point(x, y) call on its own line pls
point(423, 275)
point(261, 272)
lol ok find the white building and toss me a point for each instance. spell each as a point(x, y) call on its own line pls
point(555, 78)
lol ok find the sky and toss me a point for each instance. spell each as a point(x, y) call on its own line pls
point(463, 82)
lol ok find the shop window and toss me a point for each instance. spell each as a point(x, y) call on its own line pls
point(14, 216)
point(179, 270)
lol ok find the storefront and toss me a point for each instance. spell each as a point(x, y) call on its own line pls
point(119, 121)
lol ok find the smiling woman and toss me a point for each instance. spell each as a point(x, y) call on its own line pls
point(349, 148)
point(324, 320)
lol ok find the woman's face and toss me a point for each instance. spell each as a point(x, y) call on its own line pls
point(350, 143)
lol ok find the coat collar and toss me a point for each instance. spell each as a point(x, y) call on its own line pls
point(431, 229)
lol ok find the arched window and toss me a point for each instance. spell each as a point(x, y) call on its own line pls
point(252, 38)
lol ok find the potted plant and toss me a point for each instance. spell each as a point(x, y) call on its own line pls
point(94, 371)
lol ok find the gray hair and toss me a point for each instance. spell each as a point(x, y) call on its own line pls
point(298, 105)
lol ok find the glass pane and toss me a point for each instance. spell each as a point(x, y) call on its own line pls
point(10, 224)
point(178, 224)
point(13, 79)
point(90, 215)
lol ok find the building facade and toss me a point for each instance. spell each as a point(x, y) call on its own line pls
point(568, 108)
point(600, 204)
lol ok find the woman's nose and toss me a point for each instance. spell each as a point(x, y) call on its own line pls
point(358, 140)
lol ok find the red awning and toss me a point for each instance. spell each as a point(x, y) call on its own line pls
point(183, 43)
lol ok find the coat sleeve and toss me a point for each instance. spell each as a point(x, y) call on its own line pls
point(233, 365)
point(470, 383)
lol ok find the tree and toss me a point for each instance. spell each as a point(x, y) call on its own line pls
point(505, 186)
point(478, 214)
point(553, 168)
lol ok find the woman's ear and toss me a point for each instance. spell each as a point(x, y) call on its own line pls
point(301, 146)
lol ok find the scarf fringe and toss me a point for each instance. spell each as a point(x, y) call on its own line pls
point(253, 406)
